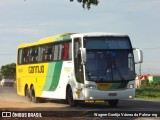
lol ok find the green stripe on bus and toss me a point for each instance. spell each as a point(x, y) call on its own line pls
point(53, 76)
point(63, 38)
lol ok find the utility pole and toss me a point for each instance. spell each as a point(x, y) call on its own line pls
point(140, 69)
point(139, 74)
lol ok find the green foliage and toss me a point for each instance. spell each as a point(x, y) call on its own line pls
point(148, 90)
point(153, 85)
point(87, 3)
point(150, 93)
point(9, 70)
point(0, 76)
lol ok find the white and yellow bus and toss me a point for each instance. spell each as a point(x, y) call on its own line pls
point(86, 67)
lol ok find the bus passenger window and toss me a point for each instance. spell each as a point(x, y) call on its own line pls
point(65, 53)
point(61, 48)
point(44, 54)
point(36, 55)
point(70, 51)
point(56, 52)
point(25, 56)
point(40, 53)
point(33, 55)
point(20, 56)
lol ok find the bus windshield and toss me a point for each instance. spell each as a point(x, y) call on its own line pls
point(109, 59)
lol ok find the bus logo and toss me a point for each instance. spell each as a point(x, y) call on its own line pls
point(36, 69)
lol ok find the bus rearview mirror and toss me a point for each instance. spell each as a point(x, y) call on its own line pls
point(140, 55)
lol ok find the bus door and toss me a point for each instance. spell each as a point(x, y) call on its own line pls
point(78, 67)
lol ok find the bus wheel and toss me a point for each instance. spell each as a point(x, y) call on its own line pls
point(28, 94)
point(113, 103)
point(71, 102)
point(34, 99)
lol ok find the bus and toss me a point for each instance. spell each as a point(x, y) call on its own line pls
point(78, 67)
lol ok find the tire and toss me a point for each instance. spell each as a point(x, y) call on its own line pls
point(71, 102)
point(113, 103)
point(34, 99)
point(28, 94)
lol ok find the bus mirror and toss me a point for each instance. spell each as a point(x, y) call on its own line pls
point(140, 55)
point(83, 51)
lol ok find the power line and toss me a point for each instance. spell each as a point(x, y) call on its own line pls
point(7, 54)
point(151, 48)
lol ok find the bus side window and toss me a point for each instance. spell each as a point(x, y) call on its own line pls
point(34, 55)
point(49, 53)
point(56, 52)
point(40, 53)
point(44, 53)
point(20, 51)
point(70, 51)
point(52, 54)
point(30, 56)
point(65, 51)
point(61, 48)
point(25, 56)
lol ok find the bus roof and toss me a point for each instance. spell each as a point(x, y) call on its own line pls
point(65, 36)
point(94, 34)
point(58, 37)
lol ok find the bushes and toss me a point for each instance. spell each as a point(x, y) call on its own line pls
point(149, 93)
point(149, 90)
point(154, 85)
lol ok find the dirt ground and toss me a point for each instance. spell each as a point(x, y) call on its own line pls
point(10, 101)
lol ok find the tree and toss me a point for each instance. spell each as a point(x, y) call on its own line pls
point(87, 3)
point(9, 70)
point(0, 76)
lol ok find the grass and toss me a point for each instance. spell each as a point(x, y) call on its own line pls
point(148, 91)
point(148, 94)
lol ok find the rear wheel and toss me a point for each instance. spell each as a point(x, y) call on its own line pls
point(34, 99)
point(28, 94)
point(113, 103)
point(71, 102)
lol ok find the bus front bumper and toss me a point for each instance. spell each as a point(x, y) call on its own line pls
point(91, 94)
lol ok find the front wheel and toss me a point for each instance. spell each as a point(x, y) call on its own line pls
point(113, 103)
point(71, 102)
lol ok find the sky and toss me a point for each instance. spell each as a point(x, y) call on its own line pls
point(23, 21)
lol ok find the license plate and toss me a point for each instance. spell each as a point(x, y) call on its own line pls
point(112, 94)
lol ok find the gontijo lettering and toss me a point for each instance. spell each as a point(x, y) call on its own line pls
point(36, 69)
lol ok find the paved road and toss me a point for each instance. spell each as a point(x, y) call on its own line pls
point(10, 101)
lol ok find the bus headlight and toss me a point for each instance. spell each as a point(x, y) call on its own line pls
point(90, 86)
point(131, 86)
